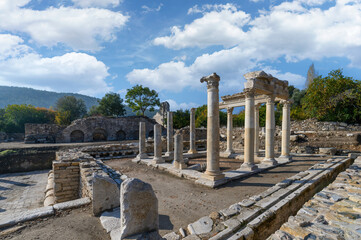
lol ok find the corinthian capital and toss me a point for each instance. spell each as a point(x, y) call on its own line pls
point(212, 80)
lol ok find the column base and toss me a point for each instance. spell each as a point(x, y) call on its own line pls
point(269, 161)
point(179, 166)
point(141, 156)
point(284, 158)
point(213, 176)
point(192, 151)
point(157, 160)
point(248, 167)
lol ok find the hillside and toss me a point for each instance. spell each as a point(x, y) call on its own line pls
point(47, 99)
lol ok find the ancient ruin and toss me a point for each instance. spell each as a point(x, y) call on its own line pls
point(270, 182)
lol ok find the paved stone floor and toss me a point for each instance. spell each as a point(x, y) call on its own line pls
point(22, 191)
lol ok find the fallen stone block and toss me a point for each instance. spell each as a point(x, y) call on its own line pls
point(72, 204)
point(203, 225)
point(10, 220)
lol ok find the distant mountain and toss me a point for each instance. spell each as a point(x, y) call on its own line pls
point(46, 99)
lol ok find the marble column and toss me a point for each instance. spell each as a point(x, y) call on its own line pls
point(158, 144)
point(286, 130)
point(248, 163)
point(270, 132)
point(213, 171)
point(192, 132)
point(178, 162)
point(142, 149)
point(229, 149)
point(256, 129)
point(170, 144)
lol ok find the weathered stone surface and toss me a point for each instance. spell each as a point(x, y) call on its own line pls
point(203, 225)
point(110, 220)
point(328, 151)
point(139, 208)
point(10, 220)
point(171, 236)
point(105, 194)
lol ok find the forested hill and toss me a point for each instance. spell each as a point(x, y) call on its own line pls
point(37, 98)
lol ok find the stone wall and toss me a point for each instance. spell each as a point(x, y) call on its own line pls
point(66, 181)
point(42, 133)
point(11, 137)
point(25, 160)
point(201, 133)
point(90, 129)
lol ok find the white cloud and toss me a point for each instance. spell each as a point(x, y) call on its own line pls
point(219, 27)
point(293, 79)
point(71, 72)
point(288, 30)
point(184, 106)
point(80, 29)
point(96, 3)
point(148, 9)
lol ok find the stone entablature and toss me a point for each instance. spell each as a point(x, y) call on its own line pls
point(89, 129)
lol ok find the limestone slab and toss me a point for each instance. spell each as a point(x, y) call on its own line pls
point(110, 220)
point(72, 204)
point(10, 220)
point(203, 225)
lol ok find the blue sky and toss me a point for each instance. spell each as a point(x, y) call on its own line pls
point(96, 46)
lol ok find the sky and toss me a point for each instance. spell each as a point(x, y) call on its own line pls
point(93, 47)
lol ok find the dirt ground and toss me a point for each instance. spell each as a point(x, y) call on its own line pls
point(181, 201)
point(77, 224)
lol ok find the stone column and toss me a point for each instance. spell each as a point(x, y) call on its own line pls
point(178, 162)
point(158, 144)
point(248, 163)
point(286, 130)
point(229, 149)
point(270, 132)
point(192, 132)
point(256, 129)
point(142, 149)
point(169, 134)
point(213, 171)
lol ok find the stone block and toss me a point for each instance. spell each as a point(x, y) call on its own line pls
point(203, 225)
point(139, 208)
point(105, 194)
point(72, 204)
point(328, 151)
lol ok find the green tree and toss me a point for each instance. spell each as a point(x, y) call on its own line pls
point(201, 117)
point(181, 118)
point(334, 98)
point(110, 105)
point(15, 116)
point(311, 74)
point(75, 107)
point(141, 98)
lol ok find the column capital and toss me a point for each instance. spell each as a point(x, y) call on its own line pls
point(249, 92)
point(193, 110)
point(286, 102)
point(270, 99)
point(257, 106)
point(212, 80)
point(230, 110)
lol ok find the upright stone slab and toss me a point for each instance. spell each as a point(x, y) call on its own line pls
point(138, 208)
point(178, 162)
point(142, 148)
point(212, 172)
point(105, 194)
point(158, 144)
point(192, 132)
point(169, 134)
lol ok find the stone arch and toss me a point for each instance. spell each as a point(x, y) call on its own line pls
point(121, 135)
point(77, 136)
point(99, 134)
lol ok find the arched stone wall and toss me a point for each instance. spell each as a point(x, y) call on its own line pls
point(77, 136)
point(99, 135)
point(121, 135)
